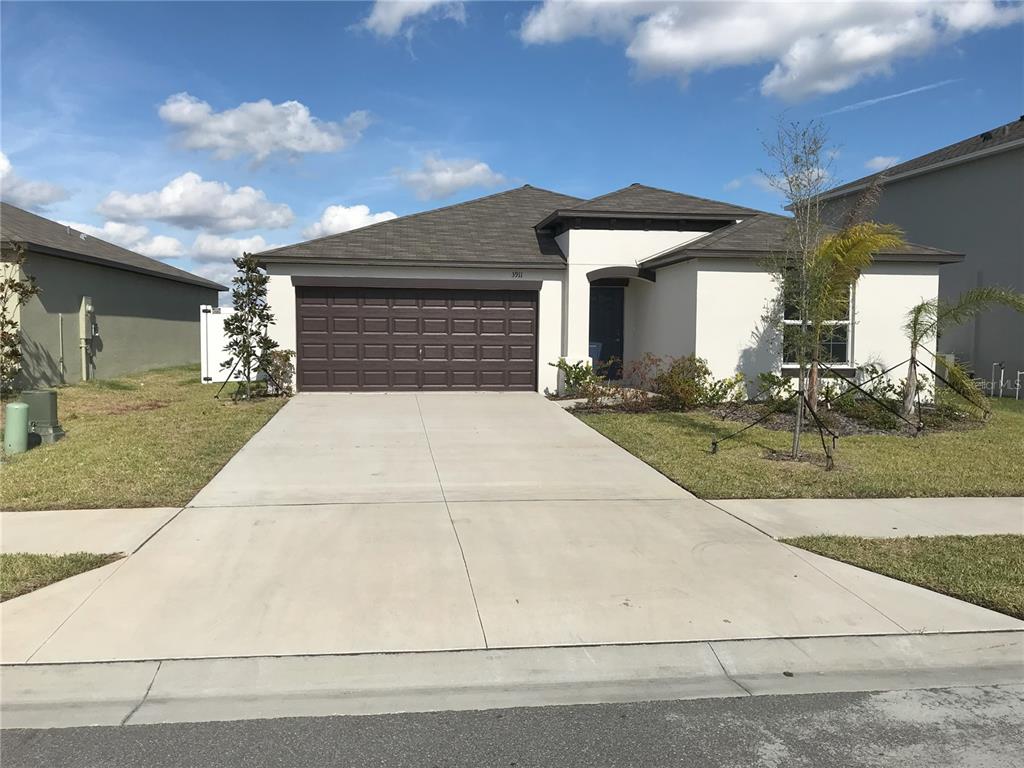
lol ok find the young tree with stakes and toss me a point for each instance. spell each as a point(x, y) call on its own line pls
point(819, 265)
point(16, 289)
point(248, 344)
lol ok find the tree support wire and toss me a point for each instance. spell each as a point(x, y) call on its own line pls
point(771, 412)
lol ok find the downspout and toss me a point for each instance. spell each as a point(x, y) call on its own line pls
point(60, 341)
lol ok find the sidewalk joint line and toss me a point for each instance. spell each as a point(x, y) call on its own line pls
point(167, 522)
point(725, 672)
point(455, 530)
point(795, 551)
point(49, 637)
point(145, 696)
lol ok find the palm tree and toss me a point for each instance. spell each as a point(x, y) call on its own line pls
point(834, 267)
point(930, 318)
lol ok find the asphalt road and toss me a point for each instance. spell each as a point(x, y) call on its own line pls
point(944, 727)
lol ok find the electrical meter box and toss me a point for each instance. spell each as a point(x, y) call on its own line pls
point(86, 318)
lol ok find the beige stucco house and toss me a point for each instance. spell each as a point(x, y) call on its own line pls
point(102, 310)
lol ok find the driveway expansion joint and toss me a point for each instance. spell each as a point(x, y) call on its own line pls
point(455, 530)
point(145, 695)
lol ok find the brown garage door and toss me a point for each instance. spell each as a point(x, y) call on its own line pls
point(387, 338)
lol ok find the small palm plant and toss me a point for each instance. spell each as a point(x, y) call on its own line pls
point(832, 270)
point(930, 318)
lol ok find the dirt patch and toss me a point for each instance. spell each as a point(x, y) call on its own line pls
point(117, 409)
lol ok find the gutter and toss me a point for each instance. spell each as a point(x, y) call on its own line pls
point(900, 258)
point(319, 260)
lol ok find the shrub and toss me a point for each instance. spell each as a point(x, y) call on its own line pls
point(684, 383)
point(280, 372)
point(728, 390)
point(774, 388)
point(578, 379)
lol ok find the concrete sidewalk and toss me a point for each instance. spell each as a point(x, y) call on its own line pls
point(54, 696)
point(879, 518)
point(81, 530)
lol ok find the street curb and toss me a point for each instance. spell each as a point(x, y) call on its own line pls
point(198, 690)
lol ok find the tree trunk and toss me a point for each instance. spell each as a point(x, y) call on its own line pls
point(812, 386)
point(911, 389)
point(798, 424)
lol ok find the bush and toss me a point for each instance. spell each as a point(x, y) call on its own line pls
point(686, 383)
point(774, 388)
point(280, 372)
point(578, 379)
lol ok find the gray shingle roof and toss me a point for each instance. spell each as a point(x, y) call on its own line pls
point(961, 150)
point(764, 233)
point(21, 226)
point(637, 198)
point(497, 229)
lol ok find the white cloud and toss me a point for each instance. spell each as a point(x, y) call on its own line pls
point(192, 203)
point(213, 254)
point(815, 48)
point(442, 177)
point(259, 128)
point(881, 162)
point(24, 193)
point(390, 17)
point(734, 184)
point(212, 249)
point(134, 237)
point(339, 218)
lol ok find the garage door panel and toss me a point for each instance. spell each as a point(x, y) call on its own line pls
point(414, 339)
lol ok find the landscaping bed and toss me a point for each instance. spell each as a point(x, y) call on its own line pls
point(21, 572)
point(152, 439)
point(984, 570)
point(983, 461)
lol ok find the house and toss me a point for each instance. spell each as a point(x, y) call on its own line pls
point(485, 294)
point(967, 197)
point(102, 310)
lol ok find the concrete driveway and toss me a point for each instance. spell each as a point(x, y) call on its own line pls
point(400, 522)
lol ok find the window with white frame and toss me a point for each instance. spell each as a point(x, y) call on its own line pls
point(835, 342)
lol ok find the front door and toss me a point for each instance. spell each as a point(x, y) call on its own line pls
point(606, 326)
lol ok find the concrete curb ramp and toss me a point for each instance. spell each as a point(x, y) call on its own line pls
point(197, 690)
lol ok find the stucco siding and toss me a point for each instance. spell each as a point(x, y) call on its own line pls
point(281, 295)
point(660, 317)
point(882, 298)
point(972, 208)
point(733, 299)
point(142, 322)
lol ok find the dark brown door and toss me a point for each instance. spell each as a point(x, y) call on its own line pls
point(413, 339)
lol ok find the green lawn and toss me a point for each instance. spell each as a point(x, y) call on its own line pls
point(148, 440)
point(976, 462)
point(21, 572)
point(985, 570)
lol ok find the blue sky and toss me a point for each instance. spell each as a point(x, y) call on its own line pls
point(189, 131)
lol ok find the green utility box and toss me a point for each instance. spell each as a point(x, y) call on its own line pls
point(42, 414)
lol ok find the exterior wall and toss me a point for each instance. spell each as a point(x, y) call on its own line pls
point(142, 321)
point(590, 249)
point(972, 208)
point(720, 310)
point(882, 298)
point(734, 331)
point(660, 317)
point(281, 295)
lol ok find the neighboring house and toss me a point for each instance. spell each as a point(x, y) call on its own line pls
point(967, 197)
point(487, 293)
point(102, 310)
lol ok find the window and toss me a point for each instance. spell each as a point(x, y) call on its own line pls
point(835, 341)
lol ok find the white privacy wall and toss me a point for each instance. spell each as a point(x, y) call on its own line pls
point(589, 249)
point(884, 295)
point(281, 295)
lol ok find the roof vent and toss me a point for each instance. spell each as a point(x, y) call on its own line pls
point(986, 135)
